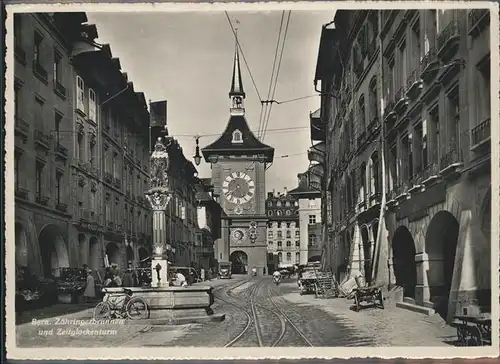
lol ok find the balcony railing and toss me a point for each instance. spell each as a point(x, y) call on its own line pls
point(108, 177)
point(451, 157)
point(413, 82)
point(449, 34)
point(61, 206)
point(400, 95)
point(22, 128)
point(62, 151)
point(373, 126)
point(40, 72)
point(359, 68)
point(42, 200)
point(482, 132)
point(22, 192)
point(117, 182)
point(429, 60)
point(477, 17)
point(41, 139)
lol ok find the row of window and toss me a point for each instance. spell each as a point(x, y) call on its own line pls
point(289, 257)
point(280, 213)
point(279, 224)
point(270, 234)
point(279, 204)
point(288, 244)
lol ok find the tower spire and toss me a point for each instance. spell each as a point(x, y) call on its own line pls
point(236, 84)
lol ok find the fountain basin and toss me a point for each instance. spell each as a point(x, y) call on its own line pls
point(174, 305)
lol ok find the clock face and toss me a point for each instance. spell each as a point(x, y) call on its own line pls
point(238, 188)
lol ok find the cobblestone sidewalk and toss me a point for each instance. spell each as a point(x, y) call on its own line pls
point(391, 326)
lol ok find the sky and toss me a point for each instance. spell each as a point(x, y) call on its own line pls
point(186, 59)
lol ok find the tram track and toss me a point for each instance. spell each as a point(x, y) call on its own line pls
point(255, 314)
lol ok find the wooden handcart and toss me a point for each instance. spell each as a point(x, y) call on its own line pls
point(371, 295)
point(326, 286)
point(473, 330)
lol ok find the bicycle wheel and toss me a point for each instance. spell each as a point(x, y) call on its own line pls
point(102, 311)
point(137, 308)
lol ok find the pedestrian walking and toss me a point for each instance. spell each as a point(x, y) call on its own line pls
point(89, 293)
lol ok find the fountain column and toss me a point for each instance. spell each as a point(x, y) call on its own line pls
point(159, 195)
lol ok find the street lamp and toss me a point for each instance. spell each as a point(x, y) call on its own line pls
point(197, 156)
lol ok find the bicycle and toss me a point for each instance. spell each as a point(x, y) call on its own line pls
point(122, 305)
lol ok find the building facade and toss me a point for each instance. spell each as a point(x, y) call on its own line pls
point(68, 210)
point(308, 196)
point(209, 214)
point(111, 160)
point(407, 170)
point(239, 161)
point(283, 230)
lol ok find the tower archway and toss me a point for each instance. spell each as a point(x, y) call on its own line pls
point(441, 242)
point(403, 258)
point(53, 249)
point(239, 260)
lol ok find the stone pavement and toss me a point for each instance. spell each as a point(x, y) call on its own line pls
point(391, 326)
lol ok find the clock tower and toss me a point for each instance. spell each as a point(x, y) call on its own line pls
point(239, 161)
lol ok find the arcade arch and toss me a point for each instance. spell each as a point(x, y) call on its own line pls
point(113, 253)
point(403, 258)
point(53, 250)
point(441, 242)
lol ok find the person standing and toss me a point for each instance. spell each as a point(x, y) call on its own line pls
point(128, 279)
point(89, 293)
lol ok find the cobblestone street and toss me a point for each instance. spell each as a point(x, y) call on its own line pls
point(389, 327)
point(279, 313)
point(283, 316)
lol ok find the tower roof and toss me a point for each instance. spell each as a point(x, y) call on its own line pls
point(250, 144)
point(236, 83)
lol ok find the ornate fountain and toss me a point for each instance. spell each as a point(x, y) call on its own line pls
point(159, 195)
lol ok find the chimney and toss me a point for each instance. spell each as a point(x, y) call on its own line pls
point(286, 191)
point(274, 193)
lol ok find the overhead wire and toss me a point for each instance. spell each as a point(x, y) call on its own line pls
point(277, 75)
point(264, 107)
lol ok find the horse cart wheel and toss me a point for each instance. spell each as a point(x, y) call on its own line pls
point(476, 338)
point(462, 335)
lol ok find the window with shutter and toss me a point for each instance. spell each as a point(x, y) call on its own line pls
point(92, 106)
point(80, 94)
